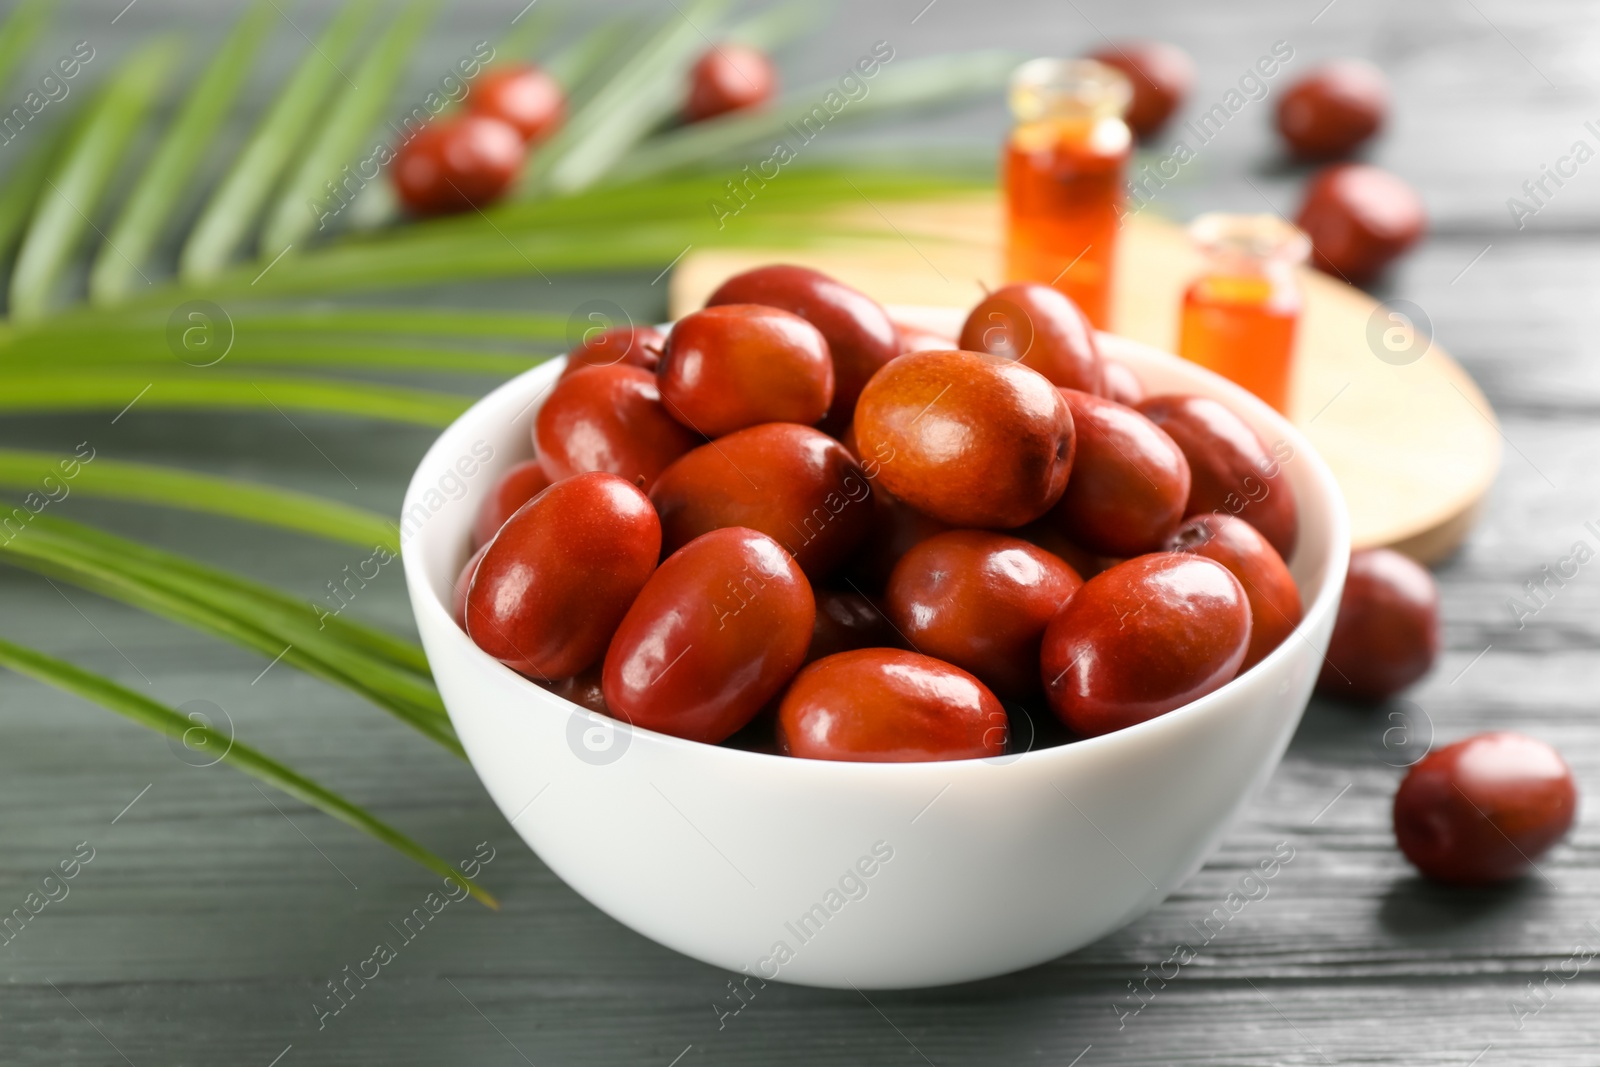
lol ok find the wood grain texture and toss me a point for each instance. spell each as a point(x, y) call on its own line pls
point(207, 925)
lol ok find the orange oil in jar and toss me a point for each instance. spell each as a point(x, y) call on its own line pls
point(1239, 317)
point(1063, 172)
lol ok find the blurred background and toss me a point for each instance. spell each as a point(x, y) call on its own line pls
point(214, 913)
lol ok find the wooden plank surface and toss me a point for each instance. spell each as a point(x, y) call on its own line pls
point(208, 922)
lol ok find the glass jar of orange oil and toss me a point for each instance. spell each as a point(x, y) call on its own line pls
point(1239, 316)
point(1063, 174)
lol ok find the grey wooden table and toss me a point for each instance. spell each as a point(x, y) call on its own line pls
point(212, 915)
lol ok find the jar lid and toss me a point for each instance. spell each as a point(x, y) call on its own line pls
point(1258, 238)
point(1068, 88)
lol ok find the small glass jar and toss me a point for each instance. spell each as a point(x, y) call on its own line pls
point(1239, 316)
point(1063, 172)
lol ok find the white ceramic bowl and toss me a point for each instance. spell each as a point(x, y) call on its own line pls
point(859, 874)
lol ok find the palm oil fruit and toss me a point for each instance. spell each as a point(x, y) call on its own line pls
point(1485, 809)
point(972, 439)
point(885, 705)
point(1041, 328)
point(1130, 481)
point(981, 601)
point(738, 365)
point(1386, 635)
point(715, 633)
point(1142, 639)
point(860, 337)
point(795, 484)
point(555, 581)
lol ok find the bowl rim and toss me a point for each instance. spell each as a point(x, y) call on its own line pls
point(543, 701)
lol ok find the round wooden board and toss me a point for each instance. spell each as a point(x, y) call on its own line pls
point(1415, 446)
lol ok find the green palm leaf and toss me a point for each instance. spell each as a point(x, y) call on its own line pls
point(19, 196)
point(778, 25)
point(78, 180)
point(19, 31)
point(380, 644)
point(119, 390)
point(530, 29)
point(164, 720)
point(617, 188)
point(271, 349)
point(917, 84)
point(496, 252)
point(121, 325)
point(293, 635)
point(636, 100)
point(345, 132)
point(574, 65)
point(191, 491)
point(233, 209)
point(121, 260)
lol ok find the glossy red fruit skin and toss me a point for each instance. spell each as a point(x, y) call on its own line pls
point(458, 595)
point(860, 336)
point(1161, 75)
point(513, 489)
point(630, 346)
point(795, 484)
point(1484, 810)
point(1040, 328)
point(981, 601)
point(971, 439)
point(738, 365)
point(1386, 635)
point(1129, 483)
point(609, 419)
point(896, 527)
point(1231, 470)
point(846, 621)
point(1359, 220)
point(1122, 385)
point(916, 339)
point(883, 705)
point(730, 77)
point(1044, 534)
point(524, 97)
point(713, 635)
point(582, 689)
point(1275, 608)
point(1332, 110)
point(558, 577)
point(457, 164)
point(1145, 637)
